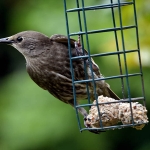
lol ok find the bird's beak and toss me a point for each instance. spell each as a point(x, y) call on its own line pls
point(7, 40)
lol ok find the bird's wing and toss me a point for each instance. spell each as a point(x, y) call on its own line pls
point(62, 39)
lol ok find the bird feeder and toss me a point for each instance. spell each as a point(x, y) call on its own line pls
point(106, 113)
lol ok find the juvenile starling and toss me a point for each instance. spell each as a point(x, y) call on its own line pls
point(48, 64)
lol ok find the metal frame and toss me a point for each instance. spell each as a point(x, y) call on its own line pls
point(82, 10)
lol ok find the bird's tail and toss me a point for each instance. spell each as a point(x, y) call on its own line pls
point(112, 94)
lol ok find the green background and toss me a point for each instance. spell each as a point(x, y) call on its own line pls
point(31, 118)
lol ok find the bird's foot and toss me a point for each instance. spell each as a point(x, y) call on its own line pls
point(96, 131)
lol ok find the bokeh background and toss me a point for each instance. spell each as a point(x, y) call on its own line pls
point(32, 119)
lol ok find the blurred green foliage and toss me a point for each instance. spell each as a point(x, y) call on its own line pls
point(32, 119)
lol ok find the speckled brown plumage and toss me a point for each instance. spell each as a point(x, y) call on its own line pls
point(48, 64)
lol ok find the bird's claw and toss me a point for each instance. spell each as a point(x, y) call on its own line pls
point(96, 131)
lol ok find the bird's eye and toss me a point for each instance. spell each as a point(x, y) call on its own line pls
point(19, 39)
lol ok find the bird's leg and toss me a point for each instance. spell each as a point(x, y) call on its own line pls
point(81, 110)
point(84, 113)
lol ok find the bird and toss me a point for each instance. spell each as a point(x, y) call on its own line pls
point(48, 65)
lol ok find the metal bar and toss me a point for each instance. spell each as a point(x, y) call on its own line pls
point(85, 66)
point(91, 69)
point(71, 64)
point(117, 101)
point(107, 78)
point(114, 127)
point(138, 46)
point(117, 46)
point(103, 30)
point(88, 47)
point(104, 6)
point(125, 60)
point(103, 54)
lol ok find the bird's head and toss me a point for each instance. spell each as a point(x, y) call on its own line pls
point(29, 43)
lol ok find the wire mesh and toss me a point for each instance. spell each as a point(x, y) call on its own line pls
point(121, 51)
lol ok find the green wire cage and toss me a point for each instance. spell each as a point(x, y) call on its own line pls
point(118, 29)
